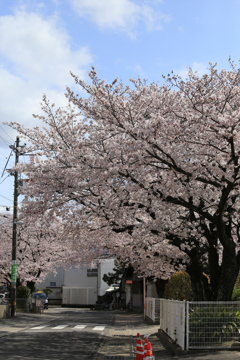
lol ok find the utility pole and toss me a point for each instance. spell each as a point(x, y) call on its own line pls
point(14, 232)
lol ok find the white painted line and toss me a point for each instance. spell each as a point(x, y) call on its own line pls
point(80, 327)
point(59, 327)
point(39, 327)
point(99, 328)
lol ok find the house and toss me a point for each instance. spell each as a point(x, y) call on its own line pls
point(135, 289)
point(78, 286)
point(132, 290)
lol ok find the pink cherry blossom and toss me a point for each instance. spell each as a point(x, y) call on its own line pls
point(148, 173)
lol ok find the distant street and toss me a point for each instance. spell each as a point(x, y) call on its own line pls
point(67, 334)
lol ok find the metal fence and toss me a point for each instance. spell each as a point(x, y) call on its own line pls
point(153, 310)
point(201, 324)
point(212, 325)
point(26, 305)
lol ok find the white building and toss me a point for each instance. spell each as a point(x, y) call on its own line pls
point(78, 286)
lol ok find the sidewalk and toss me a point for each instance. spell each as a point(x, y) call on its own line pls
point(121, 341)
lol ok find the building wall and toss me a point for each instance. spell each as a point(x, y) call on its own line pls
point(79, 277)
point(151, 290)
point(105, 266)
point(79, 296)
point(54, 281)
point(86, 284)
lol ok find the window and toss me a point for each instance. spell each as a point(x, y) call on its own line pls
point(92, 272)
point(52, 284)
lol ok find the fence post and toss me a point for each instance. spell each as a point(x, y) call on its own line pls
point(153, 310)
point(161, 313)
point(147, 306)
point(187, 325)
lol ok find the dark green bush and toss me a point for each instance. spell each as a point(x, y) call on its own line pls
point(236, 290)
point(47, 291)
point(23, 292)
point(179, 287)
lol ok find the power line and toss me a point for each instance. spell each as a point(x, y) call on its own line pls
point(4, 155)
point(7, 134)
point(6, 164)
point(5, 197)
point(5, 178)
point(4, 140)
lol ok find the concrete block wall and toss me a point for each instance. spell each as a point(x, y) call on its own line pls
point(5, 311)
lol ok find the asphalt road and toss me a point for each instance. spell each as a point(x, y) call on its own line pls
point(67, 335)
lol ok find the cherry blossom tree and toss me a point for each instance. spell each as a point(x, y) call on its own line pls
point(41, 247)
point(148, 172)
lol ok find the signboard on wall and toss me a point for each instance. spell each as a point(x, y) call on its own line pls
point(129, 282)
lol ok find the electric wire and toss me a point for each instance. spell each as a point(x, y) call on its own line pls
point(3, 154)
point(5, 197)
point(5, 178)
point(6, 164)
point(4, 140)
point(6, 133)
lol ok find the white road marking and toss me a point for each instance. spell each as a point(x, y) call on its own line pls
point(99, 328)
point(80, 327)
point(59, 327)
point(39, 327)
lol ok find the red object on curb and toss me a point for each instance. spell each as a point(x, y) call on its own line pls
point(145, 346)
point(148, 354)
point(139, 348)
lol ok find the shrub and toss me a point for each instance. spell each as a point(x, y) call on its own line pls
point(236, 290)
point(23, 292)
point(47, 291)
point(179, 287)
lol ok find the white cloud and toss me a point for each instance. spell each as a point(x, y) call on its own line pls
point(35, 58)
point(139, 71)
point(38, 50)
point(124, 15)
point(200, 68)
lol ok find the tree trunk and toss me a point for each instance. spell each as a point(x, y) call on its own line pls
point(200, 283)
point(228, 274)
point(214, 271)
point(219, 285)
point(160, 287)
point(229, 267)
point(31, 286)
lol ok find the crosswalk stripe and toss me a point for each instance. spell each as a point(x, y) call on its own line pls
point(59, 327)
point(39, 327)
point(99, 328)
point(80, 327)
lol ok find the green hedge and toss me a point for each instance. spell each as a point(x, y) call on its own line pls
point(23, 292)
point(179, 287)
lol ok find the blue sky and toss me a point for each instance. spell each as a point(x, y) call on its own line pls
point(42, 41)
